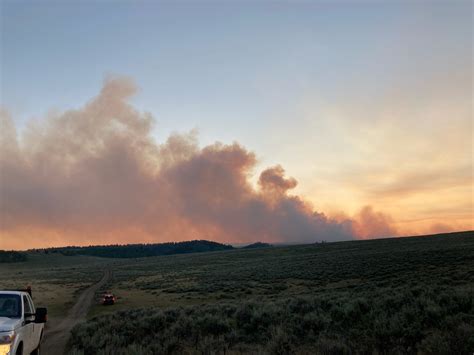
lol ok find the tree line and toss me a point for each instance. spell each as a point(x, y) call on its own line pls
point(140, 250)
point(11, 256)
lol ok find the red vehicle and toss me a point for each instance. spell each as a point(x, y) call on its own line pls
point(108, 299)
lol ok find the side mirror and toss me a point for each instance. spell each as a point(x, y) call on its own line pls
point(29, 317)
point(41, 315)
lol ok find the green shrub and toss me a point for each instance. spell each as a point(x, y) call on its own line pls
point(329, 325)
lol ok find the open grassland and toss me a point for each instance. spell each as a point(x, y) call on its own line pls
point(408, 295)
point(55, 279)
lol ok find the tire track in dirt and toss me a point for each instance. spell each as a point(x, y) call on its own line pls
point(57, 335)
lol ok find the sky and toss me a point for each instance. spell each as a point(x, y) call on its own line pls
point(341, 119)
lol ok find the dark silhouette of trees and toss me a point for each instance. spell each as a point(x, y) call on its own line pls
point(143, 250)
point(11, 256)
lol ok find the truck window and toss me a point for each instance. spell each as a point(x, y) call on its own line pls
point(27, 305)
point(32, 305)
point(10, 306)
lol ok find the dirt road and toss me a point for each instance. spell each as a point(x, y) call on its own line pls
point(57, 335)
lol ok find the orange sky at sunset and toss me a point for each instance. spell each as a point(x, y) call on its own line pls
point(96, 175)
point(284, 122)
point(419, 171)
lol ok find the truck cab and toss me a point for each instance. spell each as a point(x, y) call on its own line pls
point(21, 324)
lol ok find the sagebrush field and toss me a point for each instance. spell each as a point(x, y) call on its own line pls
point(402, 296)
point(408, 295)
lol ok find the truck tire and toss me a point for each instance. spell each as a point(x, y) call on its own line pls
point(37, 350)
point(19, 350)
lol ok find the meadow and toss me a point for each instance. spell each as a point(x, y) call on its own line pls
point(55, 279)
point(400, 296)
point(391, 296)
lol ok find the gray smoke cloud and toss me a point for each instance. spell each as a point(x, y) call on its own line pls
point(96, 175)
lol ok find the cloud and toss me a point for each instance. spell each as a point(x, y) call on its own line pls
point(370, 224)
point(407, 149)
point(441, 228)
point(96, 175)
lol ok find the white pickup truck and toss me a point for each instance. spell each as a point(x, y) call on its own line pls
point(21, 325)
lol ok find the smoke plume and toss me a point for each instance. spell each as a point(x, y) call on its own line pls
point(96, 175)
point(371, 224)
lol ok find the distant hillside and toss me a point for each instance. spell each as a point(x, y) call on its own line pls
point(257, 245)
point(142, 250)
point(11, 256)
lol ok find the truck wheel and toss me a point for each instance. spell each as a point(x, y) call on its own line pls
point(37, 350)
point(19, 350)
